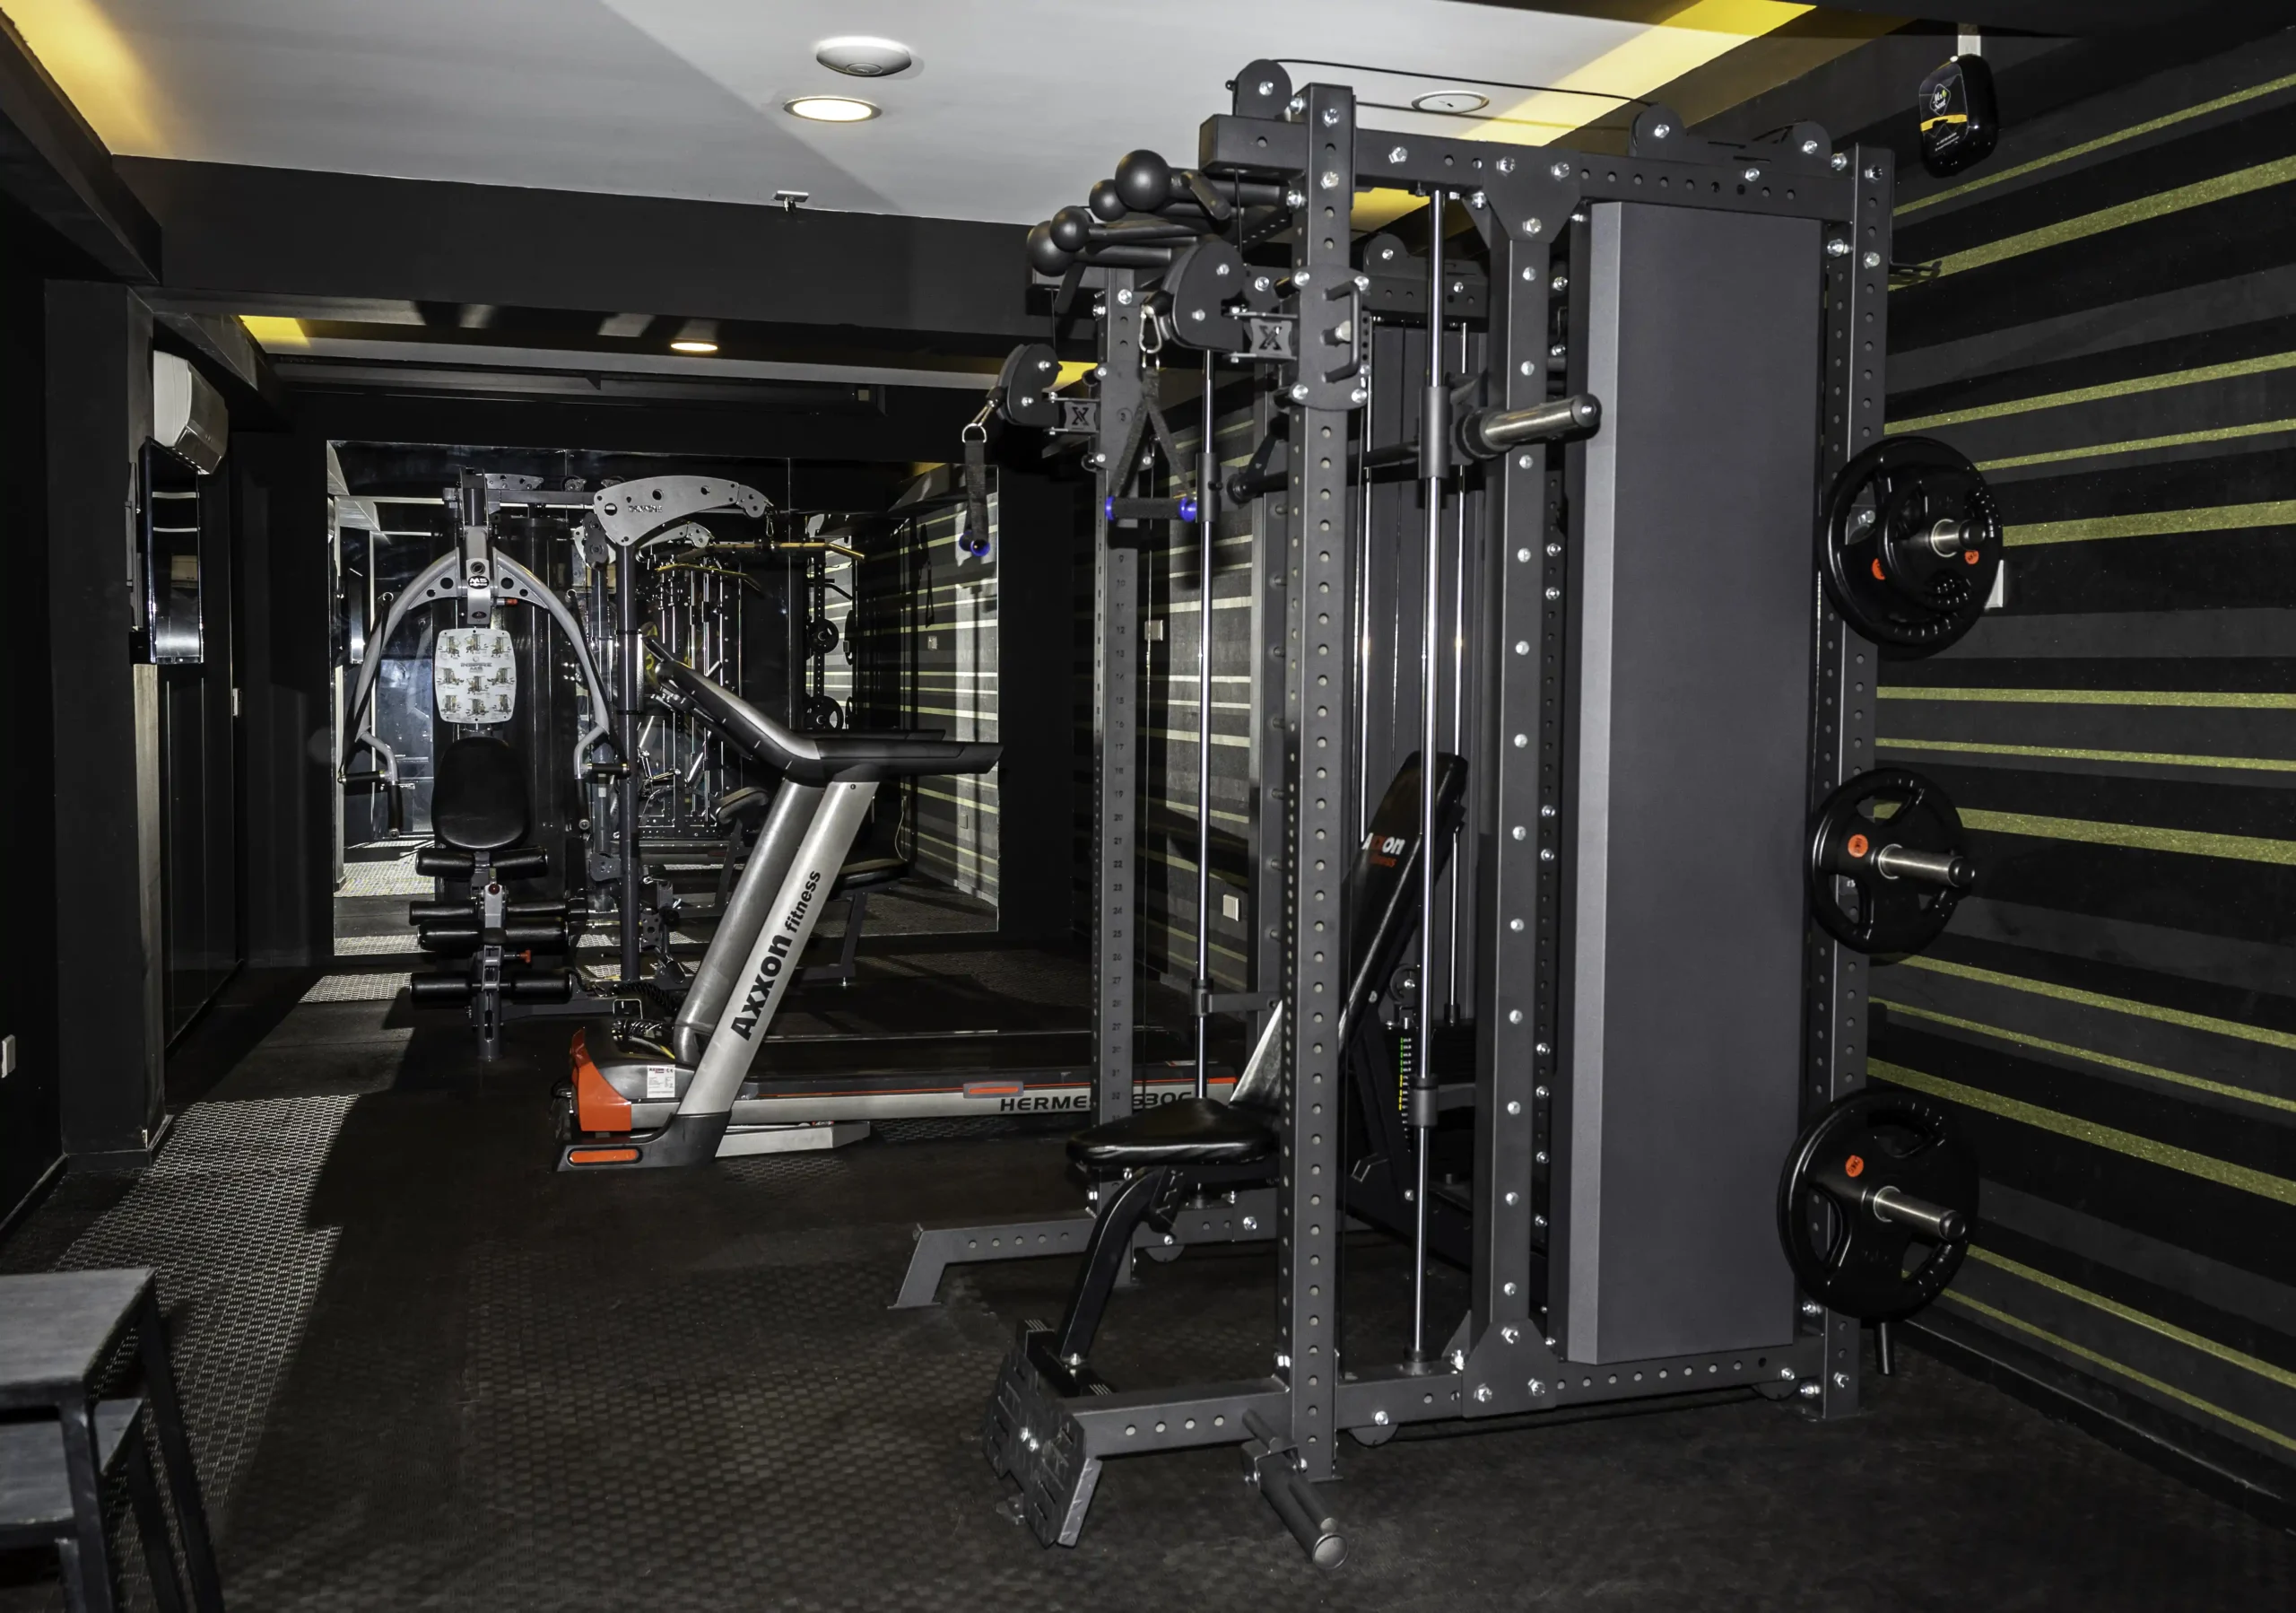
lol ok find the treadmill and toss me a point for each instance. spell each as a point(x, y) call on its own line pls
point(722, 1084)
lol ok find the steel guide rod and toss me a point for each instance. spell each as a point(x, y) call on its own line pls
point(1207, 510)
point(1434, 431)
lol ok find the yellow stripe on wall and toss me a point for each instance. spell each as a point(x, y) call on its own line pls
point(2221, 188)
point(2263, 363)
point(2062, 753)
point(2134, 131)
point(2209, 1023)
point(2169, 1330)
point(2153, 523)
point(2084, 1353)
point(2247, 700)
point(2043, 1045)
point(2207, 1167)
point(2139, 837)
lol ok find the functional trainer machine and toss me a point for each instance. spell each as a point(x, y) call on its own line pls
point(1676, 352)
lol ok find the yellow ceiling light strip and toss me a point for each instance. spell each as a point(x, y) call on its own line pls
point(1685, 40)
point(273, 331)
point(97, 69)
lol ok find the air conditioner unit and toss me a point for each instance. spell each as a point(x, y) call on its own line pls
point(188, 415)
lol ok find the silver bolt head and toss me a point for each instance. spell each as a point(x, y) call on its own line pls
point(1221, 270)
point(1514, 1106)
point(1874, 173)
point(1300, 278)
point(1100, 372)
point(1458, 1360)
point(1295, 198)
point(1537, 1387)
point(1197, 314)
point(1534, 226)
point(1475, 200)
point(1379, 1419)
point(1544, 1050)
point(1298, 103)
point(1331, 116)
point(1810, 1307)
point(1524, 462)
point(1809, 148)
point(1836, 248)
point(1554, 593)
point(1510, 1333)
point(1251, 1223)
point(1873, 260)
point(1328, 178)
point(1260, 282)
point(1560, 283)
point(1362, 282)
point(1506, 165)
point(1841, 1380)
point(1659, 131)
point(1357, 395)
point(1505, 1287)
point(1397, 154)
point(1560, 171)
point(1785, 1372)
point(1483, 1394)
point(1299, 392)
point(1841, 161)
point(1811, 1391)
point(1751, 175)
point(1124, 295)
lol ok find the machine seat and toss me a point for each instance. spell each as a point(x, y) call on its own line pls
point(478, 802)
point(1191, 1131)
point(865, 872)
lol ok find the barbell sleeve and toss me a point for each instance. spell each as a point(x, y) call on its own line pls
point(1933, 1220)
point(1487, 434)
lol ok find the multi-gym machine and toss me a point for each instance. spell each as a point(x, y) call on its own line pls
point(1690, 542)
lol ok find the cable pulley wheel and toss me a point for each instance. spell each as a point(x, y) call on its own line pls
point(1024, 386)
point(1889, 862)
point(1878, 1203)
point(1912, 544)
point(820, 711)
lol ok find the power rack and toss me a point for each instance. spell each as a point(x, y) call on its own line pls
point(1643, 594)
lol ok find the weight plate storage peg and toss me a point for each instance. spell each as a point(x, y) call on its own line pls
point(1888, 862)
point(1878, 1174)
point(1912, 543)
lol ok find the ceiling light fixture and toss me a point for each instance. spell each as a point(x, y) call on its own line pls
point(829, 109)
point(1451, 100)
point(695, 336)
point(858, 55)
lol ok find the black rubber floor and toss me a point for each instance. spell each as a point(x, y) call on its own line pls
point(427, 1373)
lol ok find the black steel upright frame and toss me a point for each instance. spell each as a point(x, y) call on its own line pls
point(1499, 1361)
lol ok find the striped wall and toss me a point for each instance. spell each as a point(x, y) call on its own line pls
point(927, 658)
point(2110, 332)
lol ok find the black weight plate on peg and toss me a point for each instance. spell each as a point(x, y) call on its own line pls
point(1024, 386)
point(1853, 835)
point(821, 635)
point(1871, 1146)
point(820, 711)
point(1912, 543)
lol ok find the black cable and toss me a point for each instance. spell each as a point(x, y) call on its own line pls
point(1452, 78)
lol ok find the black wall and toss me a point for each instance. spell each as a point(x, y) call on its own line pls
point(29, 1137)
point(2111, 333)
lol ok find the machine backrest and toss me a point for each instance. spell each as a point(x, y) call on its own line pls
point(1381, 901)
point(1381, 910)
point(478, 802)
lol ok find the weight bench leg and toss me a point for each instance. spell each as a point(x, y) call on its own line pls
point(152, 1523)
point(1105, 1258)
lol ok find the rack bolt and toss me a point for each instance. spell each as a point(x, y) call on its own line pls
point(1537, 1387)
point(1873, 260)
point(1299, 392)
point(1534, 226)
point(1751, 175)
point(1483, 1394)
point(1659, 131)
point(1124, 295)
point(1510, 1332)
point(1560, 171)
point(1809, 148)
point(1836, 248)
point(1841, 1380)
point(1811, 1391)
point(1331, 116)
point(1295, 198)
point(1506, 165)
point(1873, 173)
point(1810, 1307)
point(1379, 1419)
point(1397, 154)
point(1841, 161)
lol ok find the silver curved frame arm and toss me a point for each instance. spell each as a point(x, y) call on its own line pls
point(441, 580)
point(631, 512)
point(748, 727)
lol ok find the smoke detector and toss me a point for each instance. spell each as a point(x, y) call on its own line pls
point(859, 56)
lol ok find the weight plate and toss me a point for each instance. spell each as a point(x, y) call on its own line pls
point(1024, 383)
point(821, 635)
point(1856, 1203)
point(1889, 862)
point(1912, 543)
point(820, 711)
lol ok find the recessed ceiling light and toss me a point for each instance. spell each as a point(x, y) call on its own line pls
point(1451, 100)
point(683, 345)
point(863, 56)
point(695, 336)
point(830, 108)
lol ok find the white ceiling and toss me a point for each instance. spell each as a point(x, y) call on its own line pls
point(1014, 109)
